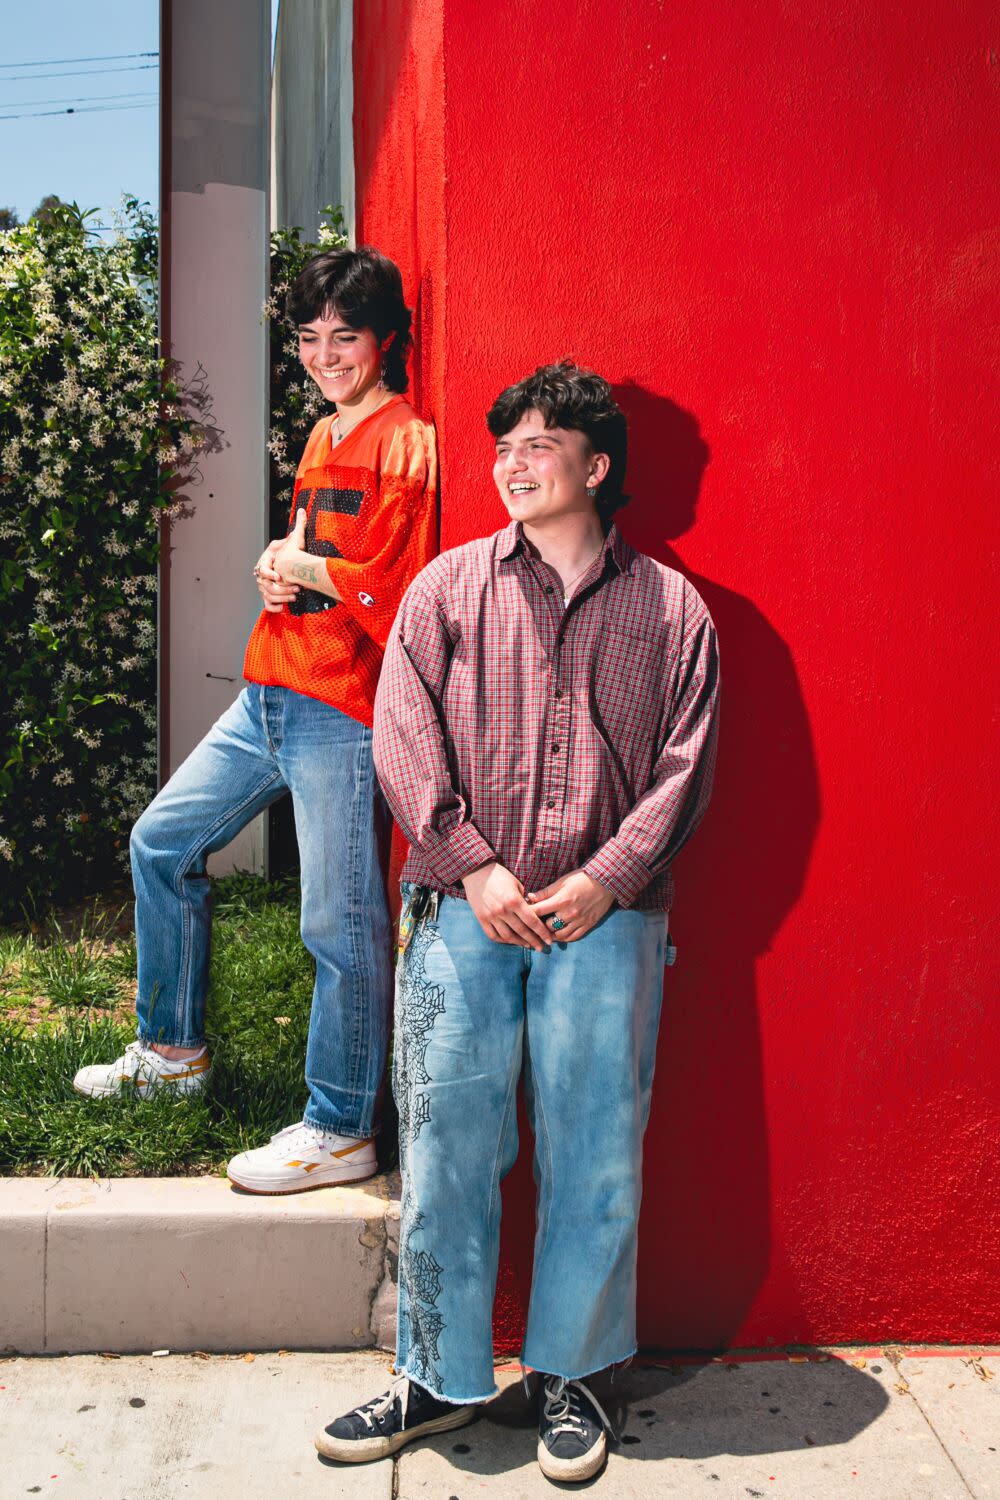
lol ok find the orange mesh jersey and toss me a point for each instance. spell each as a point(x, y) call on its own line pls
point(371, 512)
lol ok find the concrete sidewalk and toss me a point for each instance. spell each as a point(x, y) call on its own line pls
point(88, 1427)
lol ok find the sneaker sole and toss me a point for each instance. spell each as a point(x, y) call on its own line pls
point(184, 1087)
point(366, 1450)
point(573, 1470)
point(274, 1188)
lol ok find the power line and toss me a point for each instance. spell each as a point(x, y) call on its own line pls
point(80, 99)
point(53, 62)
point(84, 72)
point(88, 109)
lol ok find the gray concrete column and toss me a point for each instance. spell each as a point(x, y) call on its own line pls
point(215, 58)
point(313, 112)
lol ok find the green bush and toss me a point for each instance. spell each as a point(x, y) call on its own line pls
point(95, 437)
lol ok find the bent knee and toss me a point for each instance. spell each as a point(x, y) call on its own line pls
point(155, 839)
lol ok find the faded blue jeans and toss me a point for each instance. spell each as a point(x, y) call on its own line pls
point(581, 1021)
point(270, 741)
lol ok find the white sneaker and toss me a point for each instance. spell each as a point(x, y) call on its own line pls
point(145, 1070)
point(300, 1157)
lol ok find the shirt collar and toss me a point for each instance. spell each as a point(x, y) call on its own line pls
point(511, 542)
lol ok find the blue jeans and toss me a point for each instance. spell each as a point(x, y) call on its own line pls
point(581, 1021)
point(270, 741)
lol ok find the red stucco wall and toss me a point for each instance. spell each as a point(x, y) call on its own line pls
point(775, 229)
point(399, 122)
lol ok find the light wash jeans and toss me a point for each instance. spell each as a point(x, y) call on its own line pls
point(270, 741)
point(581, 1020)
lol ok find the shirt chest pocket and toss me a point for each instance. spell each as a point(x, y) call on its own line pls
point(627, 692)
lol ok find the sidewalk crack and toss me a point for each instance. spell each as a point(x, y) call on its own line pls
point(895, 1358)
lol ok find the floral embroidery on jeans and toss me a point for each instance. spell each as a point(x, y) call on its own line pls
point(420, 1274)
point(419, 1005)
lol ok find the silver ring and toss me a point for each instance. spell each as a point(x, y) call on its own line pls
point(557, 923)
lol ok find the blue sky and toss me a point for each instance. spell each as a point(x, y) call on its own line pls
point(90, 157)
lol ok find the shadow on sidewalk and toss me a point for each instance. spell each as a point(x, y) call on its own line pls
point(688, 1412)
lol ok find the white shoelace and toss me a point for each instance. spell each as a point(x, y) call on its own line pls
point(139, 1052)
point(301, 1134)
point(372, 1409)
point(559, 1406)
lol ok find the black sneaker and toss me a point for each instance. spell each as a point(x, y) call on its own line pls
point(384, 1425)
point(571, 1431)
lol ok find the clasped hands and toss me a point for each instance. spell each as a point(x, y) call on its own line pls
point(285, 566)
point(508, 913)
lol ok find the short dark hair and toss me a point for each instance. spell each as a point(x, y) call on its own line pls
point(364, 288)
point(570, 397)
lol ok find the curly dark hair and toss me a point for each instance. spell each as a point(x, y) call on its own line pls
point(575, 399)
point(364, 288)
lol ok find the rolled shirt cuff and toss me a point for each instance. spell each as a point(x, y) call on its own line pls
point(617, 868)
point(457, 853)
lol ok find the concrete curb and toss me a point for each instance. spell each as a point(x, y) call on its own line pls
point(128, 1265)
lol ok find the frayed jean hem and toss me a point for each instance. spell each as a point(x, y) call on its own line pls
point(606, 1364)
point(451, 1400)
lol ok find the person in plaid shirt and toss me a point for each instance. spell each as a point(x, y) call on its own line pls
point(545, 731)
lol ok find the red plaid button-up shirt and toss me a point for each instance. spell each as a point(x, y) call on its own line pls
point(552, 738)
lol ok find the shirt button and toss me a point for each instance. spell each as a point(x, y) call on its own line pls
point(555, 749)
point(558, 694)
point(551, 802)
point(549, 589)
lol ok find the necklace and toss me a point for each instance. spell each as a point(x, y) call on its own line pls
point(586, 566)
point(343, 432)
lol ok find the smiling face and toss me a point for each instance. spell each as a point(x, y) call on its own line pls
point(344, 362)
point(543, 473)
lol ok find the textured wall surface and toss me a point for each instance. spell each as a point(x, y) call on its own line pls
point(399, 121)
point(775, 229)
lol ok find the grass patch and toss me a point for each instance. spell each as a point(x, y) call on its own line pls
point(66, 999)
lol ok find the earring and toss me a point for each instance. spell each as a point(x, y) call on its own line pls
point(381, 377)
point(591, 492)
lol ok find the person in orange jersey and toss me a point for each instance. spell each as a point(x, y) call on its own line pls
point(362, 525)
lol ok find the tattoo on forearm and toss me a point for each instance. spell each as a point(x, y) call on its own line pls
point(305, 571)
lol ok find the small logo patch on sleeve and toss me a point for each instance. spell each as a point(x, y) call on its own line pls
point(366, 600)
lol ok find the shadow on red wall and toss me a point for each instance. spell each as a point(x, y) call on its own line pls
point(705, 1231)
